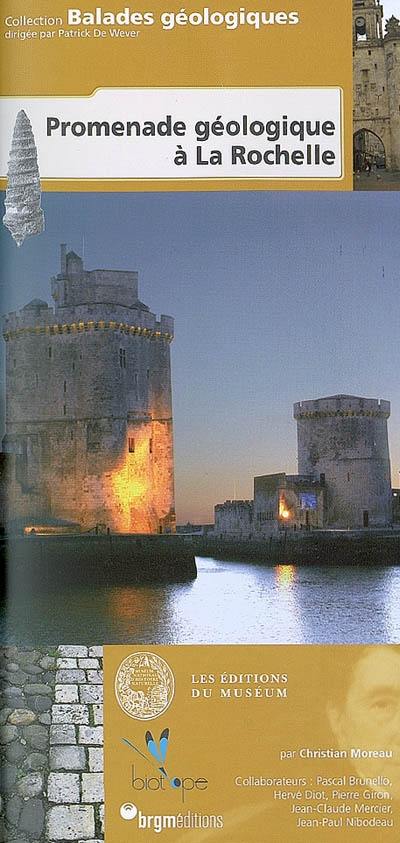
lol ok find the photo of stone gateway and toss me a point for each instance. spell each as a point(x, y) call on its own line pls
point(278, 300)
point(376, 61)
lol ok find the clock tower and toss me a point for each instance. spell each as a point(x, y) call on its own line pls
point(367, 22)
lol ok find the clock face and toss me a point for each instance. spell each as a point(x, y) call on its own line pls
point(360, 23)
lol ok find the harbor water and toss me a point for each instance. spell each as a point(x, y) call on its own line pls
point(229, 602)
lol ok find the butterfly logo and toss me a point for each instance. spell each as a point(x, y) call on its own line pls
point(158, 753)
point(158, 750)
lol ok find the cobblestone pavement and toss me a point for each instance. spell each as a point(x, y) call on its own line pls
point(51, 742)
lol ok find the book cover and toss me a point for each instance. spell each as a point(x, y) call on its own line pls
point(199, 494)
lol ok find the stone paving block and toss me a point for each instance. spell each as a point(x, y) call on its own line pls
point(39, 703)
point(35, 761)
point(97, 652)
point(91, 735)
point(4, 715)
point(67, 758)
point(8, 734)
point(67, 694)
point(32, 818)
point(101, 818)
point(22, 717)
point(67, 664)
point(96, 759)
point(70, 822)
point(95, 677)
point(33, 669)
point(73, 651)
point(63, 787)
point(91, 693)
point(37, 688)
point(13, 809)
point(89, 664)
point(8, 774)
point(62, 734)
point(47, 662)
point(70, 677)
point(30, 785)
point(97, 714)
point(70, 713)
point(92, 787)
point(36, 736)
point(14, 752)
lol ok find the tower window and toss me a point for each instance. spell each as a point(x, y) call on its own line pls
point(150, 446)
point(73, 367)
point(65, 410)
point(131, 444)
point(360, 27)
point(148, 374)
point(72, 435)
point(49, 350)
point(122, 358)
point(348, 477)
point(65, 386)
point(14, 363)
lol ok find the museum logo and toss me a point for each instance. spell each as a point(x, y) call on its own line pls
point(144, 686)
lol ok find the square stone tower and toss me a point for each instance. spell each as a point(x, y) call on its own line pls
point(88, 405)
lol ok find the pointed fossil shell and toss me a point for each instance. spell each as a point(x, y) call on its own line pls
point(24, 215)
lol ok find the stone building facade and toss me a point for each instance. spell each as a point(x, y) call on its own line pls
point(343, 443)
point(344, 477)
point(283, 501)
point(234, 519)
point(88, 405)
point(376, 65)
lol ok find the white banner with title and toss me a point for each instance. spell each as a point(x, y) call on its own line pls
point(183, 133)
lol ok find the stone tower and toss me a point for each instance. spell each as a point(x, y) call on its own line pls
point(88, 405)
point(343, 442)
point(376, 86)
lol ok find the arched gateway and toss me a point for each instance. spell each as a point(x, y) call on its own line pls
point(368, 151)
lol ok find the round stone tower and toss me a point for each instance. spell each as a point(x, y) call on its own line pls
point(343, 442)
point(88, 405)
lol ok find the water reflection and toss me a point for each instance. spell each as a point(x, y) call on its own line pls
point(393, 605)
point(285, 575)
point(229, 602)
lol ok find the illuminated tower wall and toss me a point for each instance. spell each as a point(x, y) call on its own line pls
point(343, 442)
point(89, 410)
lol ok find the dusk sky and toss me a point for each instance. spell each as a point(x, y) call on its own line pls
point(277, 297)
point(391, 7)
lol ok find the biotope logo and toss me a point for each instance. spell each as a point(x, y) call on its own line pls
point(162, 782)
point(162, 822)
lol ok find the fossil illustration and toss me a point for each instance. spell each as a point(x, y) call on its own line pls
point(24, 215)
